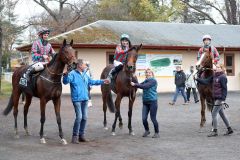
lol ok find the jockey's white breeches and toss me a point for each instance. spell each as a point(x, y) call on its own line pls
point(38, 66)
point(116, 63)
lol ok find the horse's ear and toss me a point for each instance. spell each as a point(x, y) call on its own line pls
point(64, 42)
point(139, 47)
point(71, 43)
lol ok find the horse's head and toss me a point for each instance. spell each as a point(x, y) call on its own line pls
point(131, 59)
point(205, 60)
point(67, 53)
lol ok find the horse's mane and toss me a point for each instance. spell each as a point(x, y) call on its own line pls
point(53, 59)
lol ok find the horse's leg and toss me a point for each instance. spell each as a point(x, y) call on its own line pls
point(120, 120)
point(131, 101)
point(16, 96)
point(117, 104)
point(42, 119)
point(28, 100)
point(203, 107)
point(104, 99)
point(57, 104)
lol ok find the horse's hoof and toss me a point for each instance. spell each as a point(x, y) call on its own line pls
point(27, 134)
point(113, 134)
point(42, 141)
point(16, 136)
point(106, 128)
point(63, 142)
point(132, 133)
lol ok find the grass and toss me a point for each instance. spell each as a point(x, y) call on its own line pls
point(6, 89)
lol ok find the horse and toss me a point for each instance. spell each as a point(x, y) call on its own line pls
point(205, 70)
point(121, 88)
point(48, 87)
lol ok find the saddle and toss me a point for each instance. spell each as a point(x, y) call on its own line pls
point(29, 86)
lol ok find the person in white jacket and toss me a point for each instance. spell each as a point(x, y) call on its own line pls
point(191, 85)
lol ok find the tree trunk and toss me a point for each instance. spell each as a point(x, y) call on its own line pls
point(233, 7)
point(0, 56)
point(185, 14)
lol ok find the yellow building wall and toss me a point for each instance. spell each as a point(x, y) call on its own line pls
point(97, 59)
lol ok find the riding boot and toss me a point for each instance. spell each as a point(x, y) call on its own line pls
point(114, 71)
point(29, 72)
point(75, 140)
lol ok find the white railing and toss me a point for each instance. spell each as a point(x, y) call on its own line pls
point(7, 76)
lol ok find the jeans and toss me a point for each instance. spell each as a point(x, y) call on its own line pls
point(151, 107)
point(182, 90)
point(194, 94)
point(218, 108)
point(81, 111)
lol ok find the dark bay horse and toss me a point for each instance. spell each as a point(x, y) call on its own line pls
point(122, 88)
point(205, 68)
point(48, 87)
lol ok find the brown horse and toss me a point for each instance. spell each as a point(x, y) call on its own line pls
point(48, 87)
point(122, 88)
point(204, 67)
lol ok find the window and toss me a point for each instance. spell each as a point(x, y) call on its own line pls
point(110, 56)
point(229, 63)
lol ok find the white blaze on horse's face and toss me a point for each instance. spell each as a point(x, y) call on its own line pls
point(201, 59)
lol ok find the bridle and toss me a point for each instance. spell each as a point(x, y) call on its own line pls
point(69, 64)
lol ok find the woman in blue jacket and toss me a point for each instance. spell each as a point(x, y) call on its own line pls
point(149, 86)
point(79, 82)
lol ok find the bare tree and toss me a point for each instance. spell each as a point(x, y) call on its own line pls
point(229, 11)
point(66, 15)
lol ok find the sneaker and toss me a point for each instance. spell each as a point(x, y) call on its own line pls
point(185, 103)
point(156, 135)
point(75, 140)
point(172, 103)
point(196, 101)
point(146, 133)
point(229, 131)
point(82, 139)
point(213, 134)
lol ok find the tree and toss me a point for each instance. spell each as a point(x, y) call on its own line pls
point(141, 10)
point(64, 17)
point(200, 11)
point(1, 35)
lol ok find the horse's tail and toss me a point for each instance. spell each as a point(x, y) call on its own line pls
point(110, 103)
point(9, 107)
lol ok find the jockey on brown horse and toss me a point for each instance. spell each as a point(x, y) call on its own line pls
point(120, 55)
point(41, 52)
point(207, 46)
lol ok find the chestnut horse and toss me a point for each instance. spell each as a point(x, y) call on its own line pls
point(48, 87)
point(205, 71)
point(122, 88)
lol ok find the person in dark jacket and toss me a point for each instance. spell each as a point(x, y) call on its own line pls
point(180, 79)
point(219, 95)
point(149, 98)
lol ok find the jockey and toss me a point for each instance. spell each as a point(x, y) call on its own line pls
point(207, 44)
point(120, 54)
point(41, 52)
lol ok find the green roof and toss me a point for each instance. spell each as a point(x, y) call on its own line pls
point(153, 33)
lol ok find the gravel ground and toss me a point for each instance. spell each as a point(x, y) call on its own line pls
point(180, 135)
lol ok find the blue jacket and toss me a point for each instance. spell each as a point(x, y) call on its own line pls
point(79, 83)
point(149, 87)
